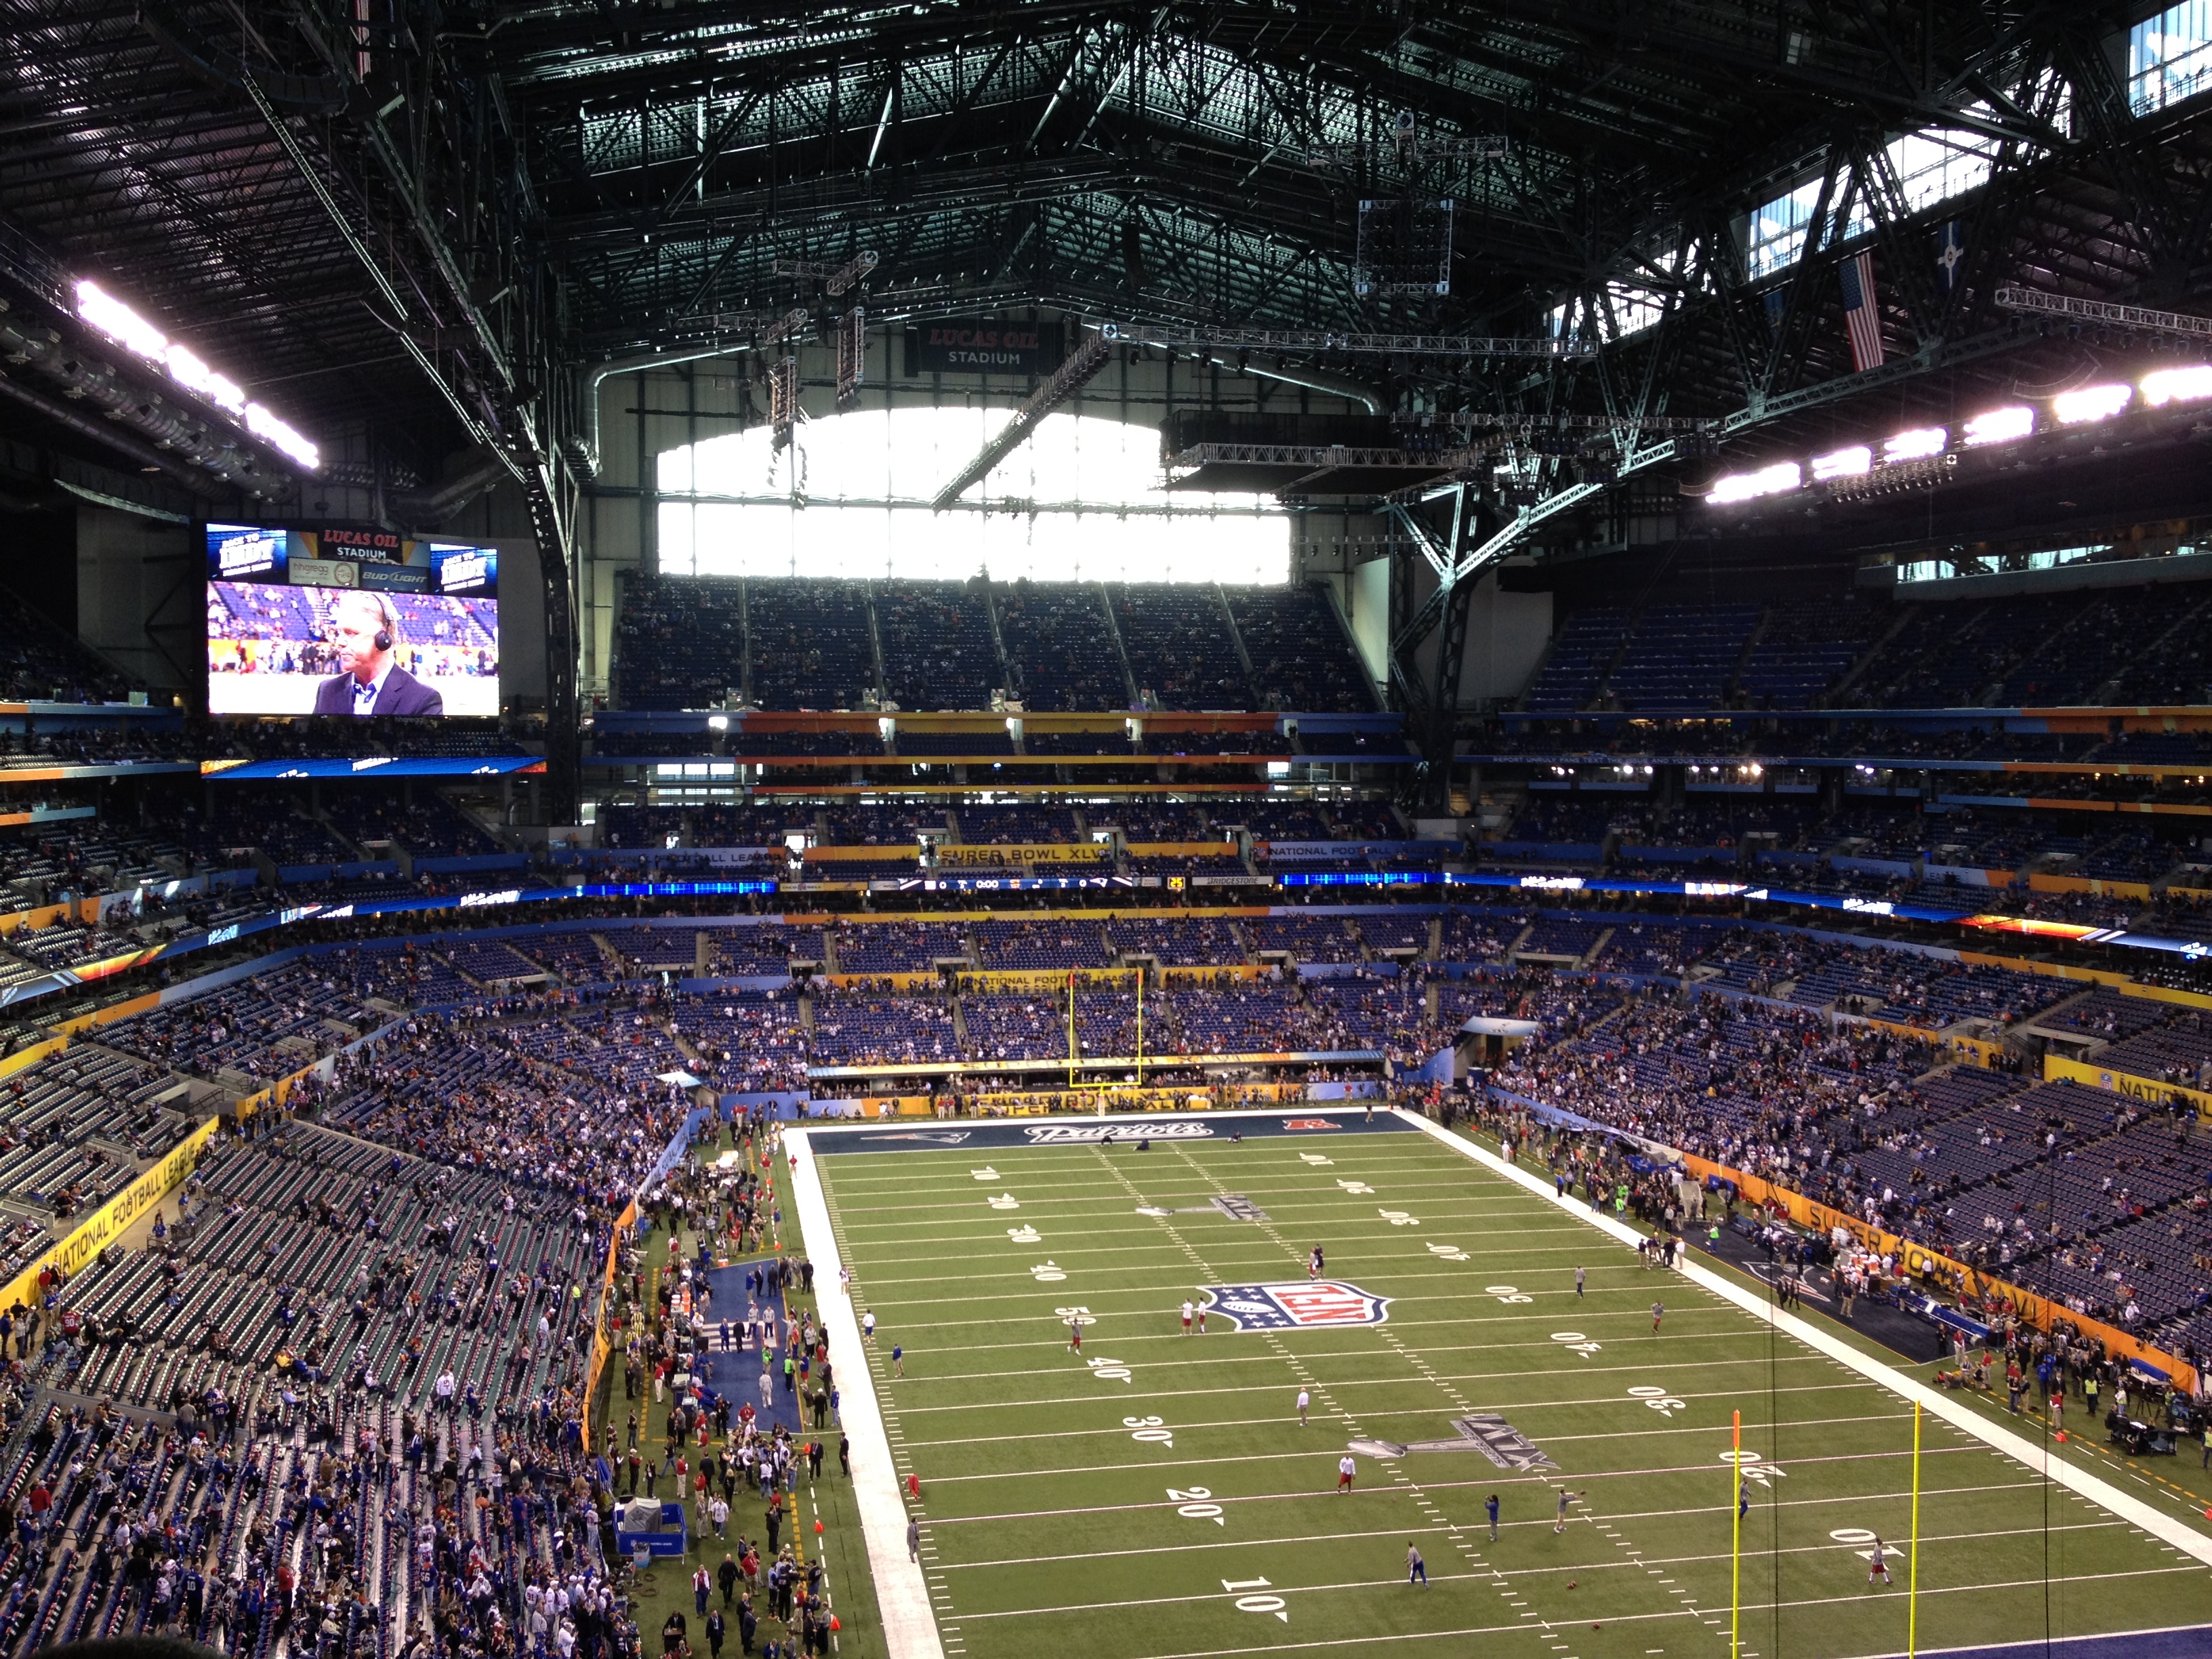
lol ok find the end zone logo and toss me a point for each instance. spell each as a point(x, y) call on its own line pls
point(1071, 1135)
point(1294, 1306)
point(1310, 1123)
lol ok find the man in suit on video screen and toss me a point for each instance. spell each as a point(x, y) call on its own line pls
point(365, 629)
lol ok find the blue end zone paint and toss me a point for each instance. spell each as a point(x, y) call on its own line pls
point(1315, 1120)
point(2193, 1643)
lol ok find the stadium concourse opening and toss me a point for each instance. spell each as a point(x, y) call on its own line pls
point(1170, 833)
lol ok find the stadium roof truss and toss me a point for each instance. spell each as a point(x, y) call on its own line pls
point(535, 185)
point(438, 217)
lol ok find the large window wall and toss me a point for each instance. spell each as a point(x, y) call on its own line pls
point(1927, 168)
point(1083, 500)
point(2169, 57)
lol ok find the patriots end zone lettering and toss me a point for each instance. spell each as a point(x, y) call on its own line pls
point(1299, 1306)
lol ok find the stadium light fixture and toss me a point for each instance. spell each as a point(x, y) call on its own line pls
point(2000, 426)
point(2091, 403)
point(104, 311)
point(1747, 486)
point(1843, 463)
point(1918, 445)
point(2176, 386)
point(187, 370)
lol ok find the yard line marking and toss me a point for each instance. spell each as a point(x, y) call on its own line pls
point(1442, 1486)
point(1936, 1403)
point(1636, 1434)
point(1420, 1362)
point(1149, 1309)
point(1301, 1456)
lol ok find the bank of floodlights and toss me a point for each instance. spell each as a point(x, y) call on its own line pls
point(111, 317)
point(1922, 456)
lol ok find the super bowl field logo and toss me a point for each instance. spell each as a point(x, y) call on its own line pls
point(1300, 1306)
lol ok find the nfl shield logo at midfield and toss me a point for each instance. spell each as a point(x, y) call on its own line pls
point(1296, 1306)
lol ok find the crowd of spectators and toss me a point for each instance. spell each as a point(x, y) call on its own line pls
point(860, 1027)
point(264, 1027)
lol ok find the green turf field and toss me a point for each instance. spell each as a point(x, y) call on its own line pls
point(1156, 1496)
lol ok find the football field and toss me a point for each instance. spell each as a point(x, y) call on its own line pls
point(1155, 1494)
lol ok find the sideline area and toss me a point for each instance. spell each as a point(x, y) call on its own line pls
point(902, 1608)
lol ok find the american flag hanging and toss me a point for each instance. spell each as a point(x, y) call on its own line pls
point(1861, 315)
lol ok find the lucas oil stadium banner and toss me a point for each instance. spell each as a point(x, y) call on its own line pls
point(983, 345)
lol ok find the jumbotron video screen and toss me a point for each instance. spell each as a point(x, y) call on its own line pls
point(350, 620)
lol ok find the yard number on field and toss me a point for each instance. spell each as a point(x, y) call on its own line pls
point(1076, 1315)
point(1108, 1371)
point(1255, 1603)
point(1193, 1503)
point(1507, 1293)
point(1755, 1466)
point(1398, 1218)
point(1357, 1188)
point(1658, 1398)
point(1152, 1430)
point(1004, 1201)
point(1048, 1273)
point(1316, 1158)
point(1024, 1234)
point(986, 1173)
point(1575, 1342)
point(1449, 1252)
point(1854, 1537)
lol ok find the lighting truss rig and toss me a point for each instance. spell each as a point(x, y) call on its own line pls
point(1901, 479)
point(836, 278)
point(782, 402)
point(1064, 382)
point(1410, 144)
point(1318, 459)
point(790, 325)
point(852, 355)
point(2028, 301)
point(1475, 419)
point(1310, 342)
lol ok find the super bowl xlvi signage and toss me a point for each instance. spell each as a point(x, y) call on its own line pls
point(1302, 1304)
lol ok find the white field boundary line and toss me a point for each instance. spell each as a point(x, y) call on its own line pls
point(901, 1593)
point(1964, 1419)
